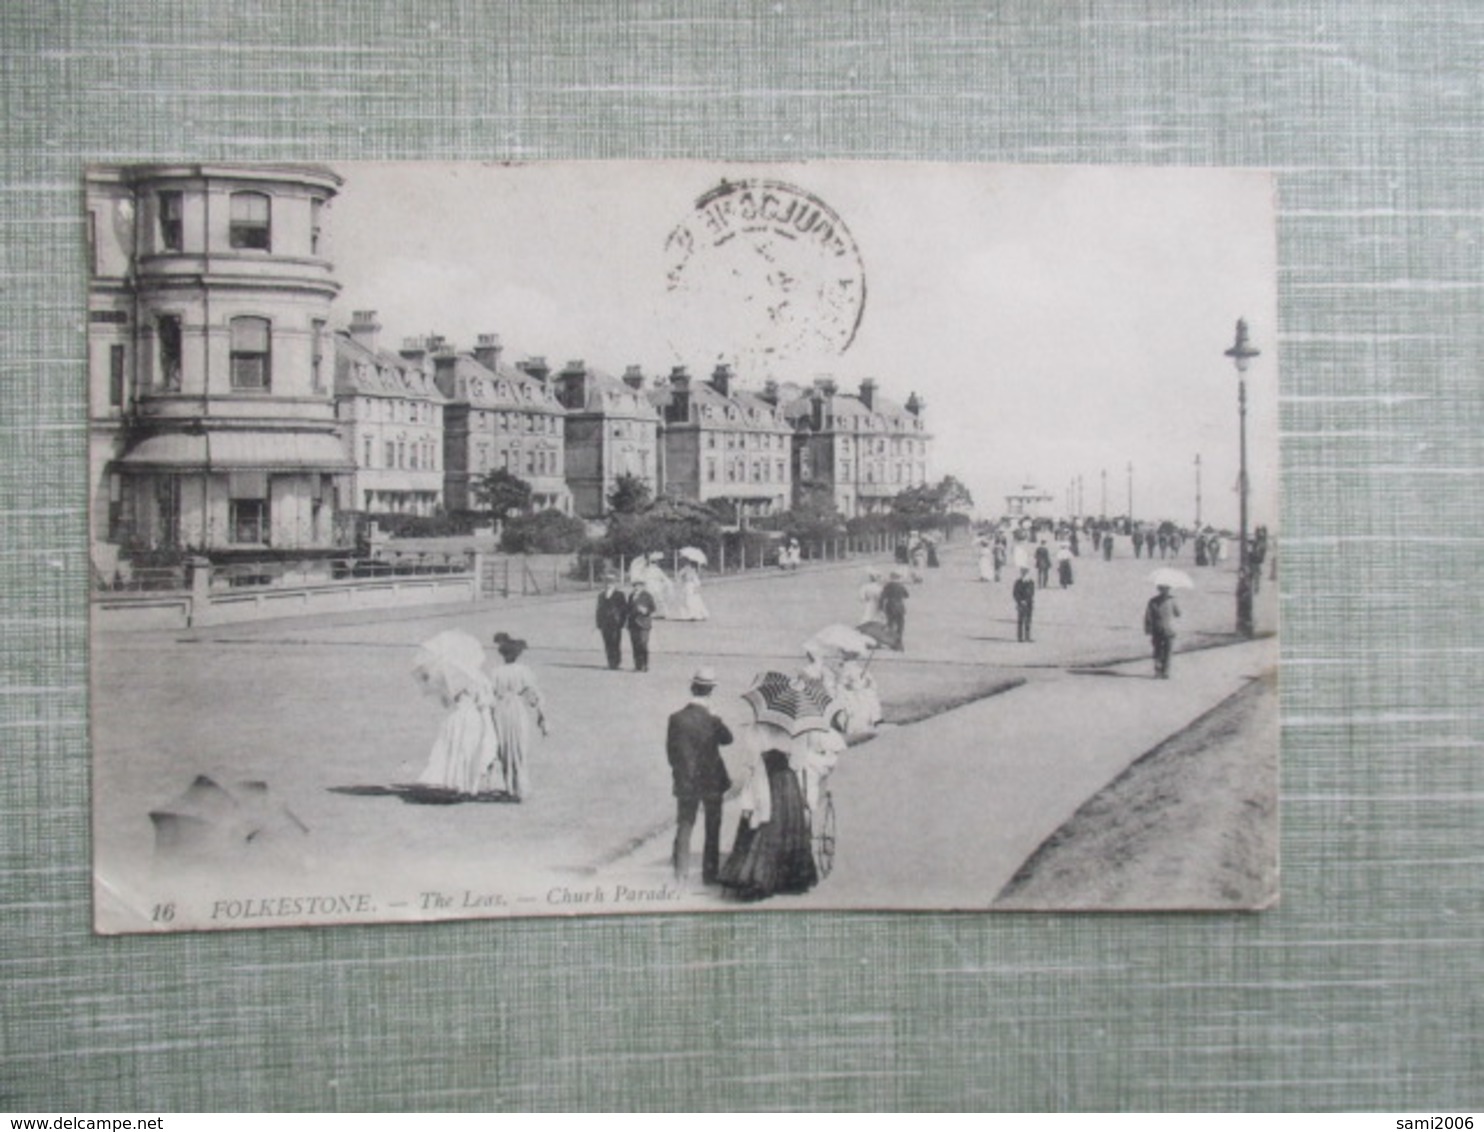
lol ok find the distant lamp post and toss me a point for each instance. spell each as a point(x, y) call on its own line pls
point(1241, 353)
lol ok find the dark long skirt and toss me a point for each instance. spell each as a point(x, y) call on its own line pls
point(777, 856)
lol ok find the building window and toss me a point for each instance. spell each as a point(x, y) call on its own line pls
point(317, 364)
point(249, 520)
point(167, 328)
point(251, 357)
point(250, 225)
point(781, 476)
point(93, 243)
point(171, 225)
point(401, 454)
point(369, 452)
point(116, 376)
point(167, 509)
point(316, 224)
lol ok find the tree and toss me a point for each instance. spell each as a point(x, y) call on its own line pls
point(666, 524)
point(503, 494)
point(932, 505)
point(629, 496)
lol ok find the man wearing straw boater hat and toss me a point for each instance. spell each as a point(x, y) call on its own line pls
point(693, 745)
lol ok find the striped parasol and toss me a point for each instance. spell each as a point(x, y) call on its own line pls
point(795, 705)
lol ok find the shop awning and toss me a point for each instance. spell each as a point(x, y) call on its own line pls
point(239, 451)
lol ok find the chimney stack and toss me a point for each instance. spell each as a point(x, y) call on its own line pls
point(868, 392)
point(915, 405)
point(679, 410)
point(721, 379)
point(825, 386)
point(487, 349)
point(536, 367)
point(364, 328)
point(572, 385)
point(770, 391)
point(414, 351)
point(633, 377)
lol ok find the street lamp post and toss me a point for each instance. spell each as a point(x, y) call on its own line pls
point(1241, 353)
point(1197, 491)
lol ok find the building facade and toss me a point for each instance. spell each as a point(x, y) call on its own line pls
point(497, 416)
point(857, 450)
point(391, 423)
point(211, 366)
point(722, 443)
point(612, 430)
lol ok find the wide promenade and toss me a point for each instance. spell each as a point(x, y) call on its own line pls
point(937, 811)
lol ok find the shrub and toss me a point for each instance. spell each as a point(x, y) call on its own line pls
point(546, 532)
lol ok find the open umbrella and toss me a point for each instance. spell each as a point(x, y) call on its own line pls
point(1175, 579)
point(691, 554)
point(842, 641)
point(795, 705)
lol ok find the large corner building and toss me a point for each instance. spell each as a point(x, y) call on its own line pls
point(211, 366)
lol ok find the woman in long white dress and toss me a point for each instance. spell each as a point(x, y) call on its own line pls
point(517, 711)
point(870, 597)
point(855, 691)
point(450, 666)
point(688, 604)
point(660, 587)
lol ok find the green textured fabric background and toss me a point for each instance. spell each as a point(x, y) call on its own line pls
point(1362, 991)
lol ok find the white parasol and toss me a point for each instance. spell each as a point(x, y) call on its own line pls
point(1175, 579)
point(840, 640)
point(691, 554)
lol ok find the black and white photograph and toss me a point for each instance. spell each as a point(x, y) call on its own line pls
point(583, 538)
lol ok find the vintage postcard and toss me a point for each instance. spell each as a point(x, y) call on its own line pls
point(476, 541)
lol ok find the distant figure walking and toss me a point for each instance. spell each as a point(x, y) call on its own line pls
point(693, 745)
point(613, 611)
point(1064, 568)
point(1159, 625)
point(518, 712)
point(640, 620)
point(1043, 565)
point(1107, 546)
point(894, 608)
point(1024, 593)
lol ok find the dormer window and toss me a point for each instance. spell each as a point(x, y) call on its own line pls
point(251, 222)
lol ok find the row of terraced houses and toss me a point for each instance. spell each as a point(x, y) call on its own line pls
point(229, 416)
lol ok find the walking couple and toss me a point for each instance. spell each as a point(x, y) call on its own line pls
point(483, 746)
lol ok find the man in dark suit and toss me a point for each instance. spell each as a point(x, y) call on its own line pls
point(1024, 592)
point(693, 745)
point(613, 611)
point(641, 613)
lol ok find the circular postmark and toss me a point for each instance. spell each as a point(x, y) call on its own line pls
point(761, 268)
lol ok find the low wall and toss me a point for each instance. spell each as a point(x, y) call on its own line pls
point(188, 608)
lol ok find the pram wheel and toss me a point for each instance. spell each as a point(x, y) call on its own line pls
point(822, 832)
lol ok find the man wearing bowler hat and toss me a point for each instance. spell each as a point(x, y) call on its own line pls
point(693, 745)
point(642, 609)
point(613, 611)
